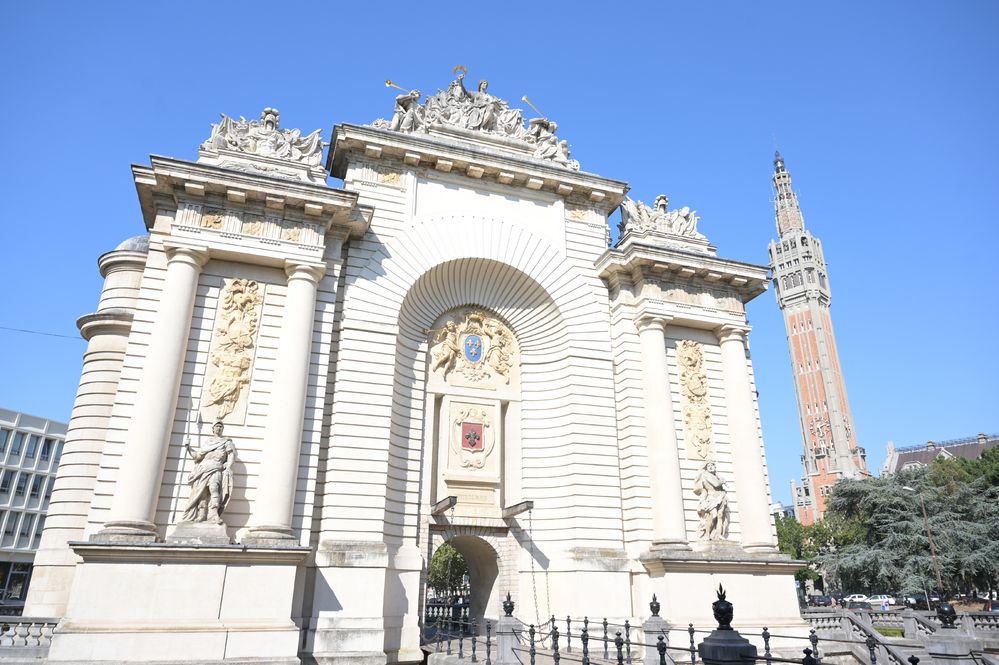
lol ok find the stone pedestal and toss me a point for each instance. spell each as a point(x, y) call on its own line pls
point(723, 647)
point(508, 641)
point(951, 647)
point(183, 603)
point(654, 628)
point(198, 533)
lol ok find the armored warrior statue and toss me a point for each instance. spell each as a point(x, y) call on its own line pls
point(713, 506)
point(211, 479)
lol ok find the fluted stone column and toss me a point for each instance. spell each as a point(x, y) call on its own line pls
point(275, 503)
point(747, 457)
point(668, 526)
point(140, 475)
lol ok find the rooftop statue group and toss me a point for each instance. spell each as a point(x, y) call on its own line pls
point(638, 216)
point(477, 111)
point(265, 137)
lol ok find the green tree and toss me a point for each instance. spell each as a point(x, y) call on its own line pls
point(447, 569)
point(883, 543)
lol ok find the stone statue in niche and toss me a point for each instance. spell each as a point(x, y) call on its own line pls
point(694, 390)
point(235, 335)
point(478, 346)
point(211, 479)
point(713, 505)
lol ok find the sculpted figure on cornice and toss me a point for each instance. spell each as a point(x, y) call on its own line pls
point(636, 215)
point(477, 111)
point(476, 345)
point(265, 138)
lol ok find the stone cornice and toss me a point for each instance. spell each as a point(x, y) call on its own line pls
point(476, 160)
point(177, 179)
point(702, 562)
point(169, 553)
point(113, 321)
point(746, 279)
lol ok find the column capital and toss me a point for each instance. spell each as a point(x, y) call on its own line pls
point(729, 332)
point(647, 320)
point(311, 272)
point(194, 255)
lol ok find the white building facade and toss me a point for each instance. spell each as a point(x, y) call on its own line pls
point(417, 357)
point(30, 450)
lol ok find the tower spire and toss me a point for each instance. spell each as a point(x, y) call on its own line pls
point(786, 208)
point(803, 294)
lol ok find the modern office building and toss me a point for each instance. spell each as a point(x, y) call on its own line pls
point(30, 448)
point(801, 284)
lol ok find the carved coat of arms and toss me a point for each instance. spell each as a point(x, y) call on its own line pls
point(477, 346)
point(471, 439)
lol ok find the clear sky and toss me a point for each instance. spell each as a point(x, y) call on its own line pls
point(886, 113)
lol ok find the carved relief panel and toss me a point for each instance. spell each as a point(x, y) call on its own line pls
point(230, 357)
point(474, 349)
point(694, 399)
point(472, 470)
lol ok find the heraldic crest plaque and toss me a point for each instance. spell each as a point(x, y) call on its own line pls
point(473, 348)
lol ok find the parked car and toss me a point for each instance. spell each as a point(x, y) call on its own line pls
point(858, 605)
point(855, 597)
point(820, 601)
point(918, 600)
point(880, 600)
point(991, 606)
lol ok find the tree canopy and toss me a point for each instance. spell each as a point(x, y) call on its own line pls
point(874, 535)
point(447, 569)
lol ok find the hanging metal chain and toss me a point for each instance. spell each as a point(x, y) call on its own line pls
point(534, 582)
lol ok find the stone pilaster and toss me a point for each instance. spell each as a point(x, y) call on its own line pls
point(141, 472)
point(275, 502)
point(668, 526)
point(747, 457)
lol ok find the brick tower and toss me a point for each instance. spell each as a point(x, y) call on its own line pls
point(801, 284)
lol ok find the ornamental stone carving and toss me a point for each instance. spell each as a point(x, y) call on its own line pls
point(472, 439)
point(237, 144)
point(635, 215)
point(211, 479)
point(694, 391)
point(231, 356)
point(476, 346)
point(712, 508)
point(477, 111)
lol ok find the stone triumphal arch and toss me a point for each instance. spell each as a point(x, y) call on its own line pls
point(293, 393)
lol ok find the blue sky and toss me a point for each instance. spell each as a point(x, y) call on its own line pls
point(885, 112)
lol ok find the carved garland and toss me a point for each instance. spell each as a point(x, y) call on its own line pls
point(232, 355)
point(694, 388)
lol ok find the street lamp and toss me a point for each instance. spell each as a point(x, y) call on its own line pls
point(929, 536)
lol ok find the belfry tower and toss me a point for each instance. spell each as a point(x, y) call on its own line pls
point(802, 287)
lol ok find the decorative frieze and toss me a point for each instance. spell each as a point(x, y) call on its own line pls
point(231, 354)
point(694, 391)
